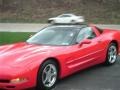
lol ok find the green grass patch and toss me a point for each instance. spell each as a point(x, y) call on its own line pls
point(13, 37)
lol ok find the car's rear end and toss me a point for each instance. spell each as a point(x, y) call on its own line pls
point(113, 35)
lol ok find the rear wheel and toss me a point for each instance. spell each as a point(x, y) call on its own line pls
point(73, 21)
point(111, 54)
point(47, 76)
point(52, 22)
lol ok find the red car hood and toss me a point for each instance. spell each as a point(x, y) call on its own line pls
point(21, 53)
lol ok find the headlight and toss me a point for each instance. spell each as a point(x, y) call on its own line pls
point(18, 80)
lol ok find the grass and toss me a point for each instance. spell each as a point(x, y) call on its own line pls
point(13, 37)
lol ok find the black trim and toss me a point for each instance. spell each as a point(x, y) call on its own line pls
point(4, 81)
point(99, 29)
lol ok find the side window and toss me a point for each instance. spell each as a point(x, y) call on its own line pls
point(85, 33)
point(64, 16)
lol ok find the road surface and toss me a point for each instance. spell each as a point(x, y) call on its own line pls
point(26, 27)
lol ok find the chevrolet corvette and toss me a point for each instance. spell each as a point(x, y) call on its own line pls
point(54, 53)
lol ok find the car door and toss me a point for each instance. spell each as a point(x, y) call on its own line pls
point(87, 52)
point(65, 18)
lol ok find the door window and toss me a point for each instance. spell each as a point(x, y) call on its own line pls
point(85, 33)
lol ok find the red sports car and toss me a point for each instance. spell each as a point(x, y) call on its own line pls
point(56, 52)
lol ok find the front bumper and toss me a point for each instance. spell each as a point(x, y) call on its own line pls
point(20, 86)
point(29, 75)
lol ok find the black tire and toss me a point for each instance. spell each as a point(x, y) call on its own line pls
point(111, 58)
point(72, 21)
point(49, 21)
point(40, 82)
point(52, 22)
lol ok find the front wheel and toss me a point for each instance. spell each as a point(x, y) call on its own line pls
point(111, 54)
point(47, 75)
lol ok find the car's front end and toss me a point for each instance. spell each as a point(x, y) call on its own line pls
point(12, 78)
point(19, 66)
point(20, 63)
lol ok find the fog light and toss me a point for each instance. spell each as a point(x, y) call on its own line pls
point(18, 80)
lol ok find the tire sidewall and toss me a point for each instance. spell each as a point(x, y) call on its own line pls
point(40, 85)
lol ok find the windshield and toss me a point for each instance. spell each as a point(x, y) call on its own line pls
point(54, 35)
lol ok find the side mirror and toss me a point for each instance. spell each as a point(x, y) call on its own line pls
point(86, 41)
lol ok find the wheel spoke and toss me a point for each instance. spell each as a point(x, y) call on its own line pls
point(49, 79)
point(110, 58)
point(45, 72)
point(50, 73)
point(49, 69)
point(45, 81)
point(112, 54)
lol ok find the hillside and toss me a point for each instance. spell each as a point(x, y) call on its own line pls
point(96, 11)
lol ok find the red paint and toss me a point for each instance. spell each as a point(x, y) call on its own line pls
point(22, 60)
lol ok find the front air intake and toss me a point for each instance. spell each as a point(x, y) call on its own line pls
point(4, 81)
